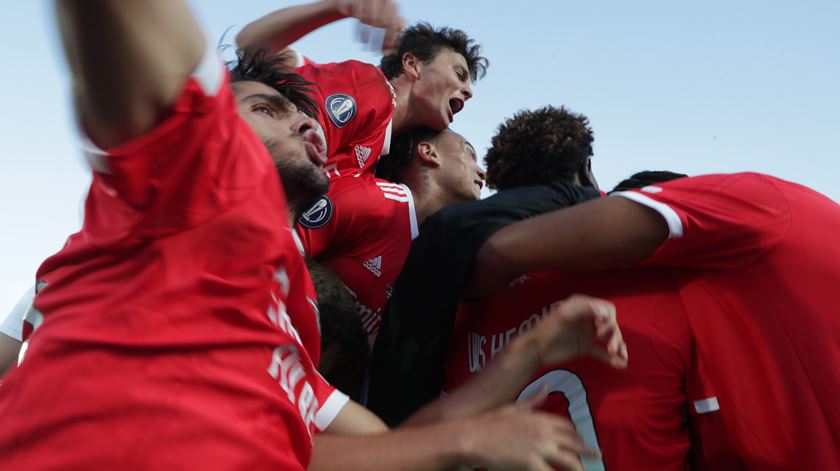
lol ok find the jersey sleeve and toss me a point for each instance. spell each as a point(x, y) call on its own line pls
point(408, 356)
point(180, 173)
point(13, 325)
point(715, 221)
point(332, 402)
point(355, 107)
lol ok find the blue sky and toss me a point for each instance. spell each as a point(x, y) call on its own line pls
point(702, 87)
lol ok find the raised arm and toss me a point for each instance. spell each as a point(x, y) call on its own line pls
point(128, 60)
point(605, 233)
point(277, 30)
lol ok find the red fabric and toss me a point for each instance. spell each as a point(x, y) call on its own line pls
point(365, 241)
point(165, 343)
point(355, 146)
point(758, 268)
point(635, 416)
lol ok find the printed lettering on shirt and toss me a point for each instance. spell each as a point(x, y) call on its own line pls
point(393, 191)
point(362, 154)
point(318, 215)
point(374, 265)
point(482, 349)
point(288, 369)
point(520, 280)
point(341, 108)
point(651, 189)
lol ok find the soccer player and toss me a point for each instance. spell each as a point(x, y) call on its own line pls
point(363, 229)
point(555, 147)
point(755, 270)
point(164, 319)
point(424, 81)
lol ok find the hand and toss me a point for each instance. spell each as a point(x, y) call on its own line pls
point(515, 439)
point(581, 325)
point(376, 14)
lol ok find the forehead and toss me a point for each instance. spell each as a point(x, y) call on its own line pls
point(451, 137)
point(448, 56)
point(244, 89)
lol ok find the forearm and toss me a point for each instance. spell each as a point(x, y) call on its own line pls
point(129, 61)
point(497, 385)
point(281, 28)
point(425, 448)
point(605, 233)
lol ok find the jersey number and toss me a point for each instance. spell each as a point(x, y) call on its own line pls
point(570, 385)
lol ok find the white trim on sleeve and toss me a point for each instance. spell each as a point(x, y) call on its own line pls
point(412, 213)
point(673, 220)
point(13, 325)
point(386, 145)
point(330, 409)
point(209, 71)
point(704, 406)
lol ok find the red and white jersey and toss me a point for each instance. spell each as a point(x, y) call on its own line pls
point(635, 417)
point(162, 339)
point(302, 301)
point(757, 262)
point(355, 106)
point(362, 230)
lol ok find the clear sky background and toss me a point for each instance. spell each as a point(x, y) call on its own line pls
point(694, 87)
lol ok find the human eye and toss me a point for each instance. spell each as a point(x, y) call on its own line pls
point(264, 109)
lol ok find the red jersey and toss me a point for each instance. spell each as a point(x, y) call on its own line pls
point(362, 230)
point(635, 417)
point(355, 106)
point(302, 302)
point(757, 264)
point(161, 337)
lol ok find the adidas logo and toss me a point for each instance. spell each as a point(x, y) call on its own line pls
point(362, 154)
point(374, 265)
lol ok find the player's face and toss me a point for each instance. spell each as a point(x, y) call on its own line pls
point(461, 176)
point(294, 140)
point(441, 89)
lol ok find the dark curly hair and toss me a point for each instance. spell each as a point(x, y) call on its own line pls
point(647, 177)
point(425, 42)
point(393, 166)
point(537, 147)
point(255, 64)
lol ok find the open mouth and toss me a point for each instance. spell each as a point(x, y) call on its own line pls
point(456, 105)
point(479, 184)
point(316, 147)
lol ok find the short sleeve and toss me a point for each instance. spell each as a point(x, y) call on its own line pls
point(715, 221)
point(13, 325)
point(194, 164)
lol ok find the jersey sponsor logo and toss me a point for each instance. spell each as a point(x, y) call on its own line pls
point(362, 154)
point(374, 265)
point(318, 215)
point(340, 108)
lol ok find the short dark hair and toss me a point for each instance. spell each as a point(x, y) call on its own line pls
point(540, 146)
point(425, 42)
point(341, 332)
point(393, 166)
point(255, 64)
point(647, 177)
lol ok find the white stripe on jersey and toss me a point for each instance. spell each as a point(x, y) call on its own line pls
point(401, 199)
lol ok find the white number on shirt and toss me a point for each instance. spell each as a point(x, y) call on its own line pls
point(570, 385)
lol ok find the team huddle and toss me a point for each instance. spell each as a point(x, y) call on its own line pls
point(288, 265)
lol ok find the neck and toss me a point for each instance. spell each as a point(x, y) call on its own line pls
point(428, 195)
point(402, 119)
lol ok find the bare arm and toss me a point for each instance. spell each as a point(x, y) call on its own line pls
point(605, 233)
point(277, 30)
point(128, 61)
point(501, 440)
point(9, 349)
